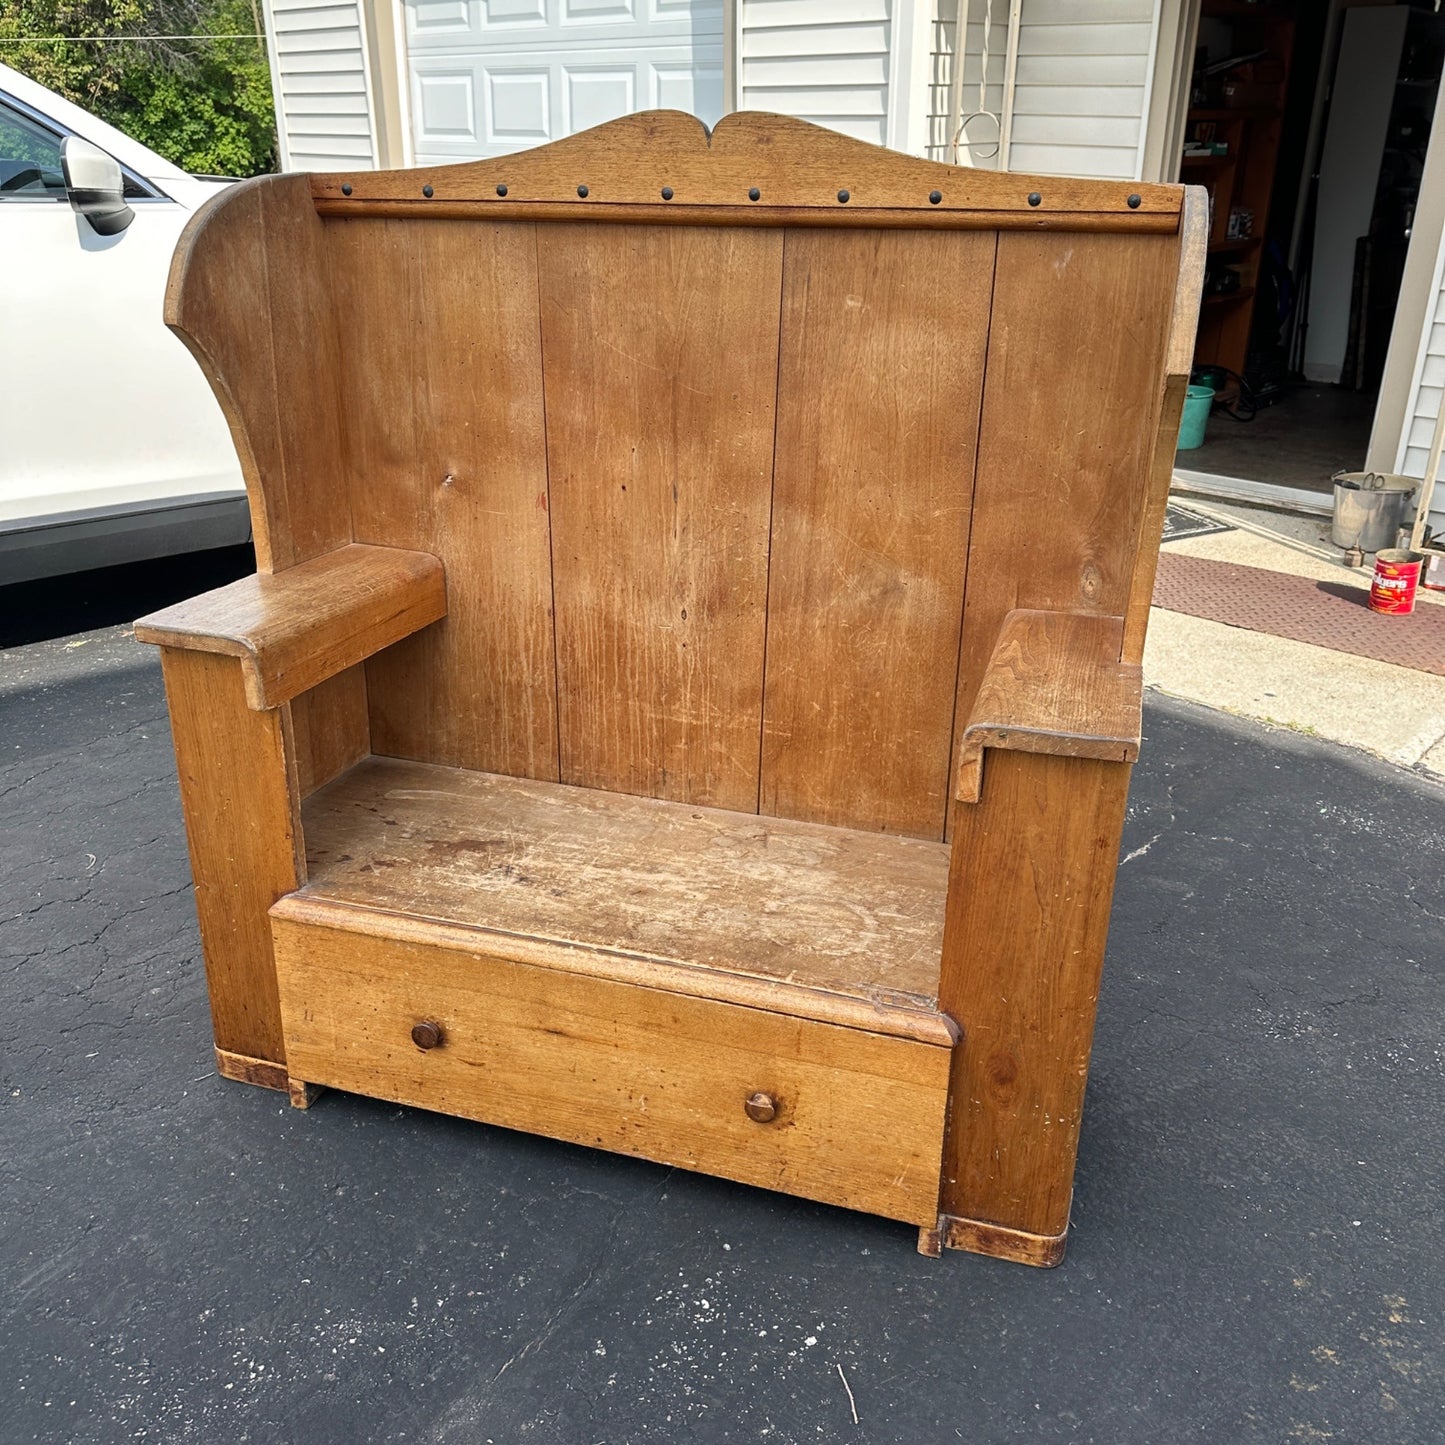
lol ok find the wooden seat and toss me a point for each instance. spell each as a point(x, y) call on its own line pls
point(687, 698)
point(844, 916)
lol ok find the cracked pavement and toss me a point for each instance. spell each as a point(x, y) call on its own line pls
point(1259, 1188)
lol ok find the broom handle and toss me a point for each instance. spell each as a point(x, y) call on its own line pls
point(1427, 484)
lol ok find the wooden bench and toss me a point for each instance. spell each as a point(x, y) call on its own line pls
point(687, 701)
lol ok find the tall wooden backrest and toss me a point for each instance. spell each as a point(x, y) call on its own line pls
point(736, 449)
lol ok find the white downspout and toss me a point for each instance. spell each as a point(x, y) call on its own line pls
point(1010, 76)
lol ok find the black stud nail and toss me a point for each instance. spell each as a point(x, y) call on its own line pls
point(582, 191)
point(754, 193)
point(1134, 202)
point(501, 190)
point(1035, 199)
point(843, 197)
point(427, 192)
point(667, 193)
point(346, 188)
point(934, 197)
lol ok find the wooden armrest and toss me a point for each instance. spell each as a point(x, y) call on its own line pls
point(296, 628)
point(1053, 685)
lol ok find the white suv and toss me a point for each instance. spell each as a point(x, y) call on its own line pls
point(112, 447)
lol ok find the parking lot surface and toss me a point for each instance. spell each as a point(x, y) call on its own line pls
point(1255, 1230)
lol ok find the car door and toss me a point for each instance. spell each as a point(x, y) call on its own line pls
point(101, 407)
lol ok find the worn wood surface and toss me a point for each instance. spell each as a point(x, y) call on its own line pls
point(1178, 360)
point(297, 628)
point(640, 1071)
point(265, 1073)
point(441, 381)
point(1071, 398)
point(330, 729)
point(881, 376)
point(1031, 878)
point(239, 794)
point(830, 909)
point(797, 168)
point(732, 502)
point(245, 295)
point(1041, 1250)
point(1054, 684)
point(660, 354)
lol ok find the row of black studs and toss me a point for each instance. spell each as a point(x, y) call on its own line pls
point(754, 194)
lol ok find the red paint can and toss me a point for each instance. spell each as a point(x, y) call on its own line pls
point(1397, 575)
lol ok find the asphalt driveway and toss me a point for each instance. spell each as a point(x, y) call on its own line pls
point(1255, 1253)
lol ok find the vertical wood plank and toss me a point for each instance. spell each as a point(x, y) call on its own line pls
point(442, 385)
point(1070, 417)
point(240, 799)
point(1031, 880)
point(660, 352)
point(330, 727)
point(1183, 323)
point(881, 378)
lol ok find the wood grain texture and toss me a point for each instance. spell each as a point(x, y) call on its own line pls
point(442, 384)
point(636, 1070)
point(972, 404)
point(1065, 445)
point(823, 909)
point(244, 1070)
point(1178, 361)
point(798, 169)
point(239, 795)
point(660, 350)
point(1030, 884)
point(330, 728)
point(247, 295)
point(880, 382)
point(300, 627)
point(1054, 684)
point(1044, 1251)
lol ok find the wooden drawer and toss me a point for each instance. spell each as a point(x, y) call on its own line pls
point(611, 1064)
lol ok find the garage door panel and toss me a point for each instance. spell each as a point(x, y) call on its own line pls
point(469, 106)
point(592, 94)
point(425, 18)
point(489, 77)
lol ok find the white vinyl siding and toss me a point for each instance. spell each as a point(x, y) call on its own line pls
point(323, 103)
point(822, 60)
point(1428, 392)
point(1080, 91)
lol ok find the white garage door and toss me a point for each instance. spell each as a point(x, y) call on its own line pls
point(493, 76)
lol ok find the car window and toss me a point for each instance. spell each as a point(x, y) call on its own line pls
point(29, 158)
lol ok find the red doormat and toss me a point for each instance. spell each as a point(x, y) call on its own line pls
point(1327, 614)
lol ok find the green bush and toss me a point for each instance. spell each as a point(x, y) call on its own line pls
point(203, 102)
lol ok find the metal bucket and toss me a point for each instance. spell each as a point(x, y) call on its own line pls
point(1369, 508)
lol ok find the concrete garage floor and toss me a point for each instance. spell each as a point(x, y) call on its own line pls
point(1255, 1255)
point(1302, 440)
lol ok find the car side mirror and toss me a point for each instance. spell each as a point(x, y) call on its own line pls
point(95, 186)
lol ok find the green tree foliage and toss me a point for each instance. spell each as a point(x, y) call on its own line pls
point(203, 101)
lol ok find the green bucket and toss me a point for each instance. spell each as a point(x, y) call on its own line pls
point(1197, 401)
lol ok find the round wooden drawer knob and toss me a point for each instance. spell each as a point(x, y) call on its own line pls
point(762, 1108)
point(426, 1035)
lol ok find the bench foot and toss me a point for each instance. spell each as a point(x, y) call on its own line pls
point(930, 1242)
point(304, 1095)
point(979, 1237)
point(246, 1070)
